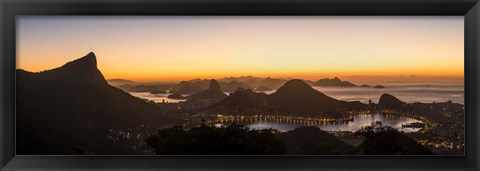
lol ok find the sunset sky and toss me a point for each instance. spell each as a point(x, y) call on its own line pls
point(174, 48)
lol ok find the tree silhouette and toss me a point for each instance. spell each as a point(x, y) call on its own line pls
point(385, 140)
point(208, 140)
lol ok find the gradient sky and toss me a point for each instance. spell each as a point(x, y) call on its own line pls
point(173, 48)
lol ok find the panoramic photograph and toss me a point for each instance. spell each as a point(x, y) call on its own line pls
point(240, 85)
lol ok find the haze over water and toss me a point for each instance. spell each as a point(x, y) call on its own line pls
point(407, 92)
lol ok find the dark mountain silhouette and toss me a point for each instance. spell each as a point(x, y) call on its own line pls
point(334, 82)
point(390, 101)
point(274, 83)
point(71, 107)
point(175, 96)
point(297, 96)
point(214, 92)
point(187, 88)
point(197, 85)
point(241, 100)
point(243, 79)
point(312, 141)
point(229, 84)
point(252, 81)
point(379, 86)
point(262, 88)
point(357, 105)
point(232, 86)
point(365, 85)
point(214, 85)
point(252, 93)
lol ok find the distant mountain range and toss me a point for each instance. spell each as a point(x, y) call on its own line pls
point(229, 84)
point(212, 93)
point(335, 82)
point(241, 100)
point(68, 109)
point(295, 96)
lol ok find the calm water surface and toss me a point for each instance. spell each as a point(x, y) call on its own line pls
point(407, 92)
point(358, 122)
point(159, 98)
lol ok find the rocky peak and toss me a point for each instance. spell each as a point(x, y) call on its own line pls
point(390, 101)
point(214, 85)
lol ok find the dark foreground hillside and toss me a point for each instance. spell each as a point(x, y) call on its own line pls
point(239, 140)
point(312, 141)
point(68, 110)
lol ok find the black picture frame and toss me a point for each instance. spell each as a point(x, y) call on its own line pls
point(470, 9)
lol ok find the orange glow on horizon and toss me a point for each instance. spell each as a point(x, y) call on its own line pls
point(150, 49)
point(307, 76)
